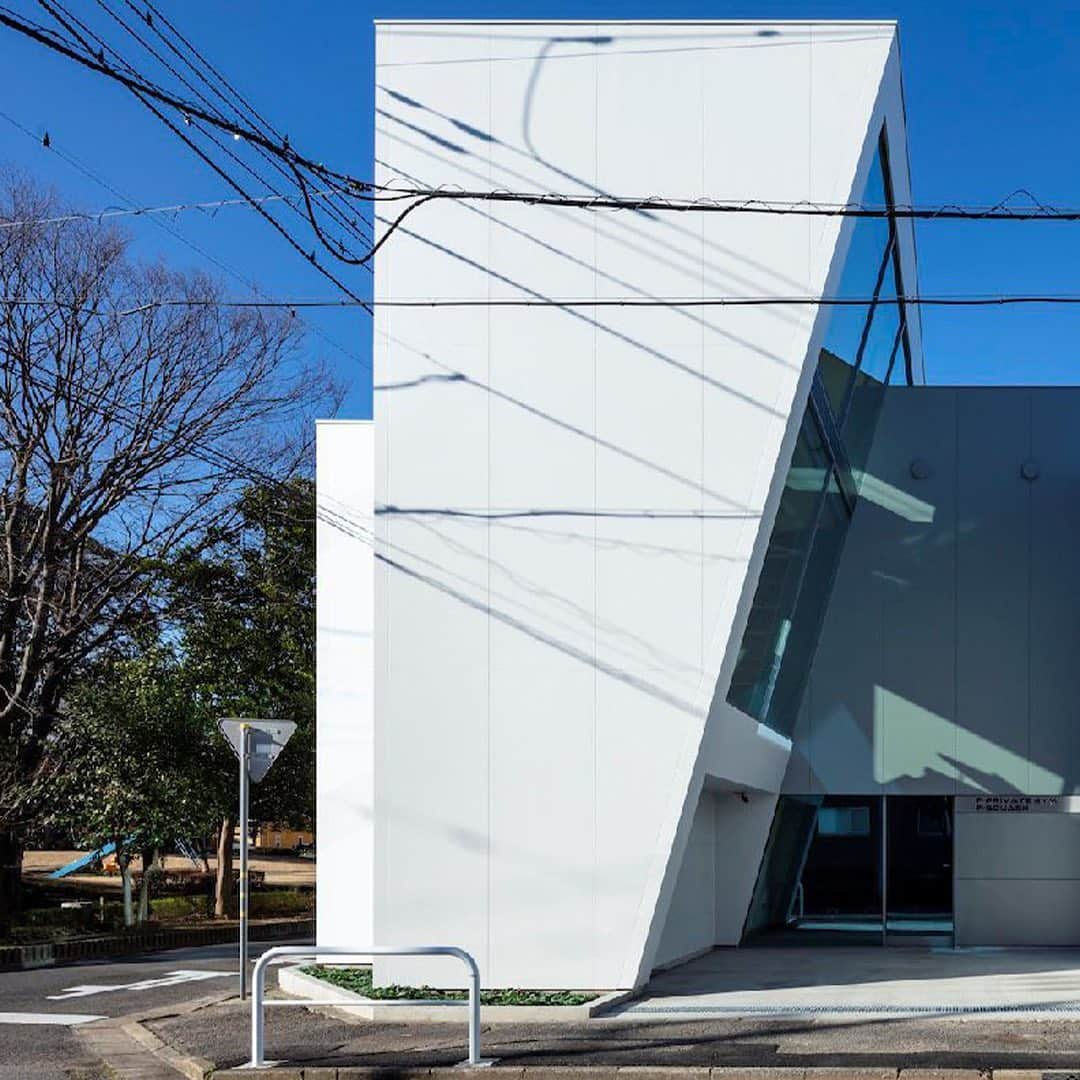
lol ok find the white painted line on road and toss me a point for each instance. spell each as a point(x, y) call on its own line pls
point(174, 978)
point(65, 1019)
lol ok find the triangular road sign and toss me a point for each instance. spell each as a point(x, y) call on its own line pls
point(266, 740)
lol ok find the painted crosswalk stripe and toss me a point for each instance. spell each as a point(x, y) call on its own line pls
point(64, 1019)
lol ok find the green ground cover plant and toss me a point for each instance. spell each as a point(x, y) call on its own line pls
point(359, 981)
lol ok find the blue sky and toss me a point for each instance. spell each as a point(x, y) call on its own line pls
point(992, 91)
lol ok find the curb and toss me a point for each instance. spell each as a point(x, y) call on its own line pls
point(106, 946)
point(632, 1072)
point(293, 981)
point(123, 1043)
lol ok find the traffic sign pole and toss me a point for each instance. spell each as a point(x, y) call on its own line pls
point(245, 754)
point(257, 744)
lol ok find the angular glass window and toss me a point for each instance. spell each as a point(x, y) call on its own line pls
point(764, 644)
point(868, 387)
point(865, 348)
point(868, 251)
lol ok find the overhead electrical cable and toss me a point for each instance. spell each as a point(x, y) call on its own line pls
point(223, 89)
point(348, 221)
point(273, 161)
point(162, 223)
point(299, 304)
point(361, 188)
point(133, 86)
point(109, 213)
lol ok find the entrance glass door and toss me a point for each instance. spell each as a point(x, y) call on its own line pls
point(841, 881)
point(856, 869)
point(919, 868)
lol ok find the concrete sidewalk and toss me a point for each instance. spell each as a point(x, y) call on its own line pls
point(878, 1012)
point(305, 1040)
point(1010, 984)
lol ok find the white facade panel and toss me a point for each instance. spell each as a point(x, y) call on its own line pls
point(344, 683)
point(573, 500)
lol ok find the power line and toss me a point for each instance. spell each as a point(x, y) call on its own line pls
point(144, 90)
point(302, 303)
point(136, 86)
point(111, 212)
point(273, 161)
point(163, 224)
point(369, 191)
point(233, 98)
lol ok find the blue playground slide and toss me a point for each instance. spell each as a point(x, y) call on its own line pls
point(92, 857)
point(83, 861)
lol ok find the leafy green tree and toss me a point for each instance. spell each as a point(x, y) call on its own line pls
point(244, 610)
point(131, 761)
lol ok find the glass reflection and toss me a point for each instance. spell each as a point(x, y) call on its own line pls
point(865, 348)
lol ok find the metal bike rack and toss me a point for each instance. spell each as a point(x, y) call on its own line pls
point(304, 952)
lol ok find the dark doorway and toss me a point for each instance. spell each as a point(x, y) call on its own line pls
point(919, 864)
point(856, 869)
point(842, 876)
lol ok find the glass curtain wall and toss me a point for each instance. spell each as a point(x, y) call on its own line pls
point(865, 349)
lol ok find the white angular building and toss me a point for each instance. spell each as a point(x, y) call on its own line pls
point(569, 616)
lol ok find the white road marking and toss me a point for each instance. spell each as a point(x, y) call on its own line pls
point(174, 978)
point(66, 1019)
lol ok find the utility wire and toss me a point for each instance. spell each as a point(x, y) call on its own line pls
point(230, 96)
point(1066, 299)
point(135, 86)
point(167, 226)
point(214, 116)
point(111, 212)
point(360, 188)
point(274, 162)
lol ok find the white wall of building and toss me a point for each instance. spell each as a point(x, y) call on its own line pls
point(572, 502)
point(709, 902)
point(344, 669)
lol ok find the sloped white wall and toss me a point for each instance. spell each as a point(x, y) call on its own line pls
point(717, 873)
point(570, 500)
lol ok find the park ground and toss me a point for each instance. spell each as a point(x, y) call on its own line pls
point(282, 871)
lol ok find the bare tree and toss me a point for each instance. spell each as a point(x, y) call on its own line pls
point(128, 421)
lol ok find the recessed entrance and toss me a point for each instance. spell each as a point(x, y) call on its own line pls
point(850, 869)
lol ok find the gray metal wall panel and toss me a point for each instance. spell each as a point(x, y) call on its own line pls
point(992, 589)
point(841, 727)
point(1055, 591)
point(1017, 846)
point(947, 657)
point(914, 575)
point(1017, 879)
point(1018, 913)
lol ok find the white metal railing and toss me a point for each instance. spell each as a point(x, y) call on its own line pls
point(313, 951)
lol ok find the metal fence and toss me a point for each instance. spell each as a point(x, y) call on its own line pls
point(314, 951)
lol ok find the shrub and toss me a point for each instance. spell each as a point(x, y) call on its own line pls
point(282, 902)
point(180, 907)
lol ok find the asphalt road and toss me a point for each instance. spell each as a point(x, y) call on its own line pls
point(40, 1010)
